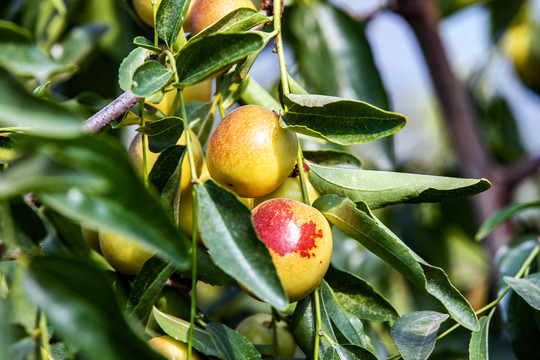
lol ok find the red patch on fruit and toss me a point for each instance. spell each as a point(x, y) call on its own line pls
point(276, 225)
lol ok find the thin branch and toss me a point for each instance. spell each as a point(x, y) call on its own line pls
point(110, 112)
point(516, 173)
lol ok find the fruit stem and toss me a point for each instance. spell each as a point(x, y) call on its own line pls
point(219, 97)
point(44, 333)
point(279, 47)
point(154, 14)
point(173, 65)
point(188, 139)
point(274, 331)
point(302, 174)
point(318, 323)
point(144, 147)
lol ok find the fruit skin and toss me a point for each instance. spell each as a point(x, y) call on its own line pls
point(522, 44)
point(250, 153)
point(143, 8)
point(122, 252)
point(135, 152)
point(91, 237)
point(299, 239)
point(290, 189)
point(201, 91)
point(171, 348)
point(258, 330)
point(203, 13)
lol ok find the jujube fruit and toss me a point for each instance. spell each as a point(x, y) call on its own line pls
point(171, 348)
point(290, 189)
point(123, 253)
point(203, 13)
point(143, 8)
point(250, 153)
point(299, 239)
point(258, 329)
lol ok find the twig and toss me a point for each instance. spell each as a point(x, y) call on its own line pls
point(110, 112)
point(516, 173)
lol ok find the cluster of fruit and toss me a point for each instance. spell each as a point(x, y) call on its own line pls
point(253, 156)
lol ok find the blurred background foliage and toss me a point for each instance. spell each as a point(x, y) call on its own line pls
point(361, 50)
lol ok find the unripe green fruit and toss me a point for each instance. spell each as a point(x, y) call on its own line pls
point(258, 330)
point(250, 153)
point(171, 348)
point(299, 239)
point(290, 189)
point(122, 252)
point(203, 13)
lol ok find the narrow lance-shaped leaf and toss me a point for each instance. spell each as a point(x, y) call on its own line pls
point(359, 223)
point(230, 344)
point(149, 78)
point(179, 329)
point(381, 188)
point(358, 297)
point(522, 324)
point(501, 216)
point(237, 21)
point(218, 52)
point(59, 286)
point(528, 288)
point(147, 286)
point(333, 158)
point(338, 120)
point(478, 346)
point(415, 333)
point(169, 19)
point(97, 184)
point(228, 233)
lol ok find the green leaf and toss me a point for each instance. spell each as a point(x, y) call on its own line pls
point(230, 344)
point(502, 14)
point(478, 346)
point(147, 286)
point(381, 188)
point(144, 43)
point(333, 53)
point(358, 297)
point(528, 288)
point(11, 32)
point(333, 158)
point(253, 93)
point(303, 324)
point(219, 52)
point(179, 330)
point(149, 78)
point(59, 286)
point(79, 43)
point(28, 60)
point(522, 327)
point(163, 133)
point(415, 333)
point(228, 233)
point(208, 271)
point(21, 111)
point(91, 179)
point(242, 69)
point(237, 21)
point(340, 319)
point(169, 19)
point(358, 222)
point(338, 120)
point(501, 216)
point(5, 323)
point(348, 352)
point(136, 58)
point(201, 117)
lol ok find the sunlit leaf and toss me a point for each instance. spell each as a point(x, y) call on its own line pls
point(503, 215)
point(333, 158)
point(358, 222)
point(169, 19)
point(381, 188)
point(339, 120)
point(230, 344)
point(149, 78)
point(237, 21)
point(478, 346)
point(528, 288)
point(128, 66)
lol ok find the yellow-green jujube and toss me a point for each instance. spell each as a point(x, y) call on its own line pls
point(201, 91)
point(143, 8)
point(171, 348)
point(250, 153)
point(522, 43)
point(135, 151)
point(299, 239)
point(203, 13)
point(123, 253)
point(258, 329)
point(290, 189)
